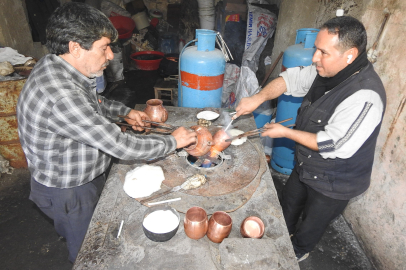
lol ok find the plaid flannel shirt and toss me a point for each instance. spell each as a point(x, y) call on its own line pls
point(66, 129)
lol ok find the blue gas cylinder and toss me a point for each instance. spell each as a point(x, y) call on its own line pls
point(201, 73)
point(300, 54)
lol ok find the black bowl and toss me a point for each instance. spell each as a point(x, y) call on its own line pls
point(160, 237)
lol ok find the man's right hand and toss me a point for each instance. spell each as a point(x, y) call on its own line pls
point(184, 137)
point(247, 105)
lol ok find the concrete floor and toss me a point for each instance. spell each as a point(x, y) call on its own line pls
point(29, 241)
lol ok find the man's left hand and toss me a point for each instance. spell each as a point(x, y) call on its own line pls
point(275, 130)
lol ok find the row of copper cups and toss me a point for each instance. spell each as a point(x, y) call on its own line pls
point(197, 225)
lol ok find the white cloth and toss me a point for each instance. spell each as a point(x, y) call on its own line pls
point(12, 56)
point(143, 181)
point(299, 80)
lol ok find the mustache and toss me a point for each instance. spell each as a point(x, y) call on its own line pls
point(106, 64)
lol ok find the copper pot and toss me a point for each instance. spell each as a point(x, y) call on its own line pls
point(220, 225)
point(196, 222)
point(252, 227)
point(156, 111)
point(219, 143)
point(203, 143)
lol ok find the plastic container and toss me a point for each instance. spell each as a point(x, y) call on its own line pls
point(147, 64)
point(141, 20)
point(124, 25)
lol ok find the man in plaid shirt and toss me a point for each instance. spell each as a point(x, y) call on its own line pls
point(67, 130)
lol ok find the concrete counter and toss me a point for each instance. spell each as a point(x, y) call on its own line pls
point(102, 249)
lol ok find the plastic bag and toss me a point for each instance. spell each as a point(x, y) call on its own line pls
point(261, 25)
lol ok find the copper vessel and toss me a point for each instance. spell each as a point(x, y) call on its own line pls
point(220, 225)
point(203, 143)
point(156, 111)
point(252, 227)
point(219, 143)
point(195, 222)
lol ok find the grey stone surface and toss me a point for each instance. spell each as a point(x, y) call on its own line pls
point(102, 250)
point(253, 254)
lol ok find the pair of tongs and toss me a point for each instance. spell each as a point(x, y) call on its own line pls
point(257, 131)
point(159, 127)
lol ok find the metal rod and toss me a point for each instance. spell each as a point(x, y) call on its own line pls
point(119, 230)
point(150, 128)
point(165, 201)
point(272, 68)
point(256, 131)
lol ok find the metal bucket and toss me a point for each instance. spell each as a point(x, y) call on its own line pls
point(10, 147)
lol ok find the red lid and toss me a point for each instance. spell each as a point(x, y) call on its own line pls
point(154, 22)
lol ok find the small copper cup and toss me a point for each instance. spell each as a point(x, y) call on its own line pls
point(220, 225)
point(252, 227)
point(195, 222)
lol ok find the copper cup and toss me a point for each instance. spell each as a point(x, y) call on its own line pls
point(252, 227)
point(195, 222)
point(220, 225)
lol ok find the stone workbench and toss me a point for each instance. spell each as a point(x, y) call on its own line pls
point(102, 249)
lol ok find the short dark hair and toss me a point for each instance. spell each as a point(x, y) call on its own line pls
point(78, 22)
point(351, 32)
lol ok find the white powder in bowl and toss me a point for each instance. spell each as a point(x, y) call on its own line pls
point(207, 115)
point(161, 221)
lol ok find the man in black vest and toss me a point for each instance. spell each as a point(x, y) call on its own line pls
point(336, 129)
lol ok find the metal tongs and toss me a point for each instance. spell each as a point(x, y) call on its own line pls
point(257, 131)
point(160, 127)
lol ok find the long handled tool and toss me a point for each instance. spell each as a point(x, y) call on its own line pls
point(257, 131)
point(192, 182)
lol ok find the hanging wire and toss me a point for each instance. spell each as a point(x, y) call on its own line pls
point(223, 47)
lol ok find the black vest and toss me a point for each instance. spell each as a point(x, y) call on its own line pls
point(337, 178)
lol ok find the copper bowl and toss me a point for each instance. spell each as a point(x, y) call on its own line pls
point(220, 225)
point(219, 143)
point(156, 111)
point(203, 143)
point(195, 222)
point(252, 227)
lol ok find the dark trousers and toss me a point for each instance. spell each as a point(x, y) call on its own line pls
point(70, 208)
point(317, 212)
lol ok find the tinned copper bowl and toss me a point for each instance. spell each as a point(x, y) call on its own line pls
point(220, 225)
point(252, 227)
point(195, 222)
point(203, 143)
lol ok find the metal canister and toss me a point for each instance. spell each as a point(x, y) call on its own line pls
point(300, 54)
point(201, 73)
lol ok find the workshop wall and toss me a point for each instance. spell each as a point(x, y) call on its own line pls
point(15, 31)
point(378, 217)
